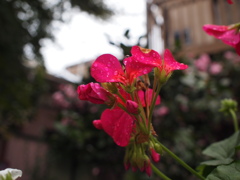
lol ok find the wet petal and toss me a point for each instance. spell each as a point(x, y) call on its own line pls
point(171, 64)
point(93, 92)
point(118, 124)
point(107, 68)
point(135, 68)
point(146, 56)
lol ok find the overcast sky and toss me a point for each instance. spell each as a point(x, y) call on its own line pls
point(83, 38)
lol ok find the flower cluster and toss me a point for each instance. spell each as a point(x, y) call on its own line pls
point(230, 35)
point(127, 90)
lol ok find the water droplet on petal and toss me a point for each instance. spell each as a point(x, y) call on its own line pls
point(115, 73)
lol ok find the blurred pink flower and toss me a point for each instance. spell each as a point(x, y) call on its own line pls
point(215, 68)
point(66, 121)
point(202, 62)
point(232, 56)
point(229, 55)
point(68, 90)
point(162, 111)
point(229, 1)
point(59, 100)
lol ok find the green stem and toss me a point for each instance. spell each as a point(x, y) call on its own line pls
point(235, 121)
point(182, 162)
point(155, 95)
point(159, 173)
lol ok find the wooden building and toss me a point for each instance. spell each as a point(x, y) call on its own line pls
point(178, 23)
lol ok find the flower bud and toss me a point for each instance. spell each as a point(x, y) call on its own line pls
point(158, 148)
point(155, 156)
point(97, 124)
point(132, 107)
point(227, 105)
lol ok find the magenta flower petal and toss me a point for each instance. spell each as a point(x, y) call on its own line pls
point(171, 64)
point(215, 30)
point(225, 33)
point(118, 124)
point(135, 68)
point(230, 37)
point(146, 56)
point(107, 68)
point(93, 92)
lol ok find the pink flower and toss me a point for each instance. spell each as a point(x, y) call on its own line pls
point(232, 56)
point(229, 1)
point(152, 58)
point(118, 124)
point(60, 100)
point(228, 34)
point(93, 92)
point(162, 111)
point(107, 68)
point(215, 68)
point(202, 63)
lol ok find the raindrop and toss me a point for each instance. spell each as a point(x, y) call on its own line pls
point(115, 73)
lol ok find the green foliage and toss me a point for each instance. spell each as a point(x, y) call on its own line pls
point(224, 155)
point(228, 105)
point(230, 172)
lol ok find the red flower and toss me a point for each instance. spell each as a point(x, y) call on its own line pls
point(229, 1)
point(107, 68)
point(152, 58)
point(116, 123)
point(228, 34)
point(93, 92)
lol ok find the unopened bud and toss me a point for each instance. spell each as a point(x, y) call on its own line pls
point(132, 107)
point(97, 124)
point(227, 105)
point(162, 75)
point(158, 148)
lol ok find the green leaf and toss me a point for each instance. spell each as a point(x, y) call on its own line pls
point(226, 172)
point(223, 149)
point(218, 162)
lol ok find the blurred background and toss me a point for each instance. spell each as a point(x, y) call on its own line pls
point(46, 50)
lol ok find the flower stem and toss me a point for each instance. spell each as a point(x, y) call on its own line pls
point(159, 173)
point(182, 162)
point(235, 121)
